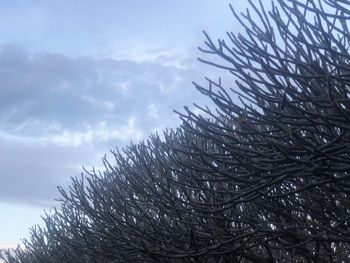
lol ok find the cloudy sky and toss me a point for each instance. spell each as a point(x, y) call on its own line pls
point(79, 78)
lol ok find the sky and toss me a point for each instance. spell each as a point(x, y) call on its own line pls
point(80, 78)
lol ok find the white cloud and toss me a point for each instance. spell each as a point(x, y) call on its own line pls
point(95, 134)
point(152, 111)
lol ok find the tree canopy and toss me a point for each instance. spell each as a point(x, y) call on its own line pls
point(262, 177)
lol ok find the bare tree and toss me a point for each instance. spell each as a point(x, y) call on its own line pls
point(264, 177)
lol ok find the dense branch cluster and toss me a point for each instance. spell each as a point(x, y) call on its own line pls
point(265, 177)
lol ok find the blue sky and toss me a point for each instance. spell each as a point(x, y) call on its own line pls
point(79, 78)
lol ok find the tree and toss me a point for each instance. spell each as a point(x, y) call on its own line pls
point(262, 180)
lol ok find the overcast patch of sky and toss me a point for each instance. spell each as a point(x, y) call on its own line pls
point(78, 78)
point(112, 28)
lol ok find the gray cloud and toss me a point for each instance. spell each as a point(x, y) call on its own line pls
point(79, 91)
point(30, 173)
point(58, 113)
